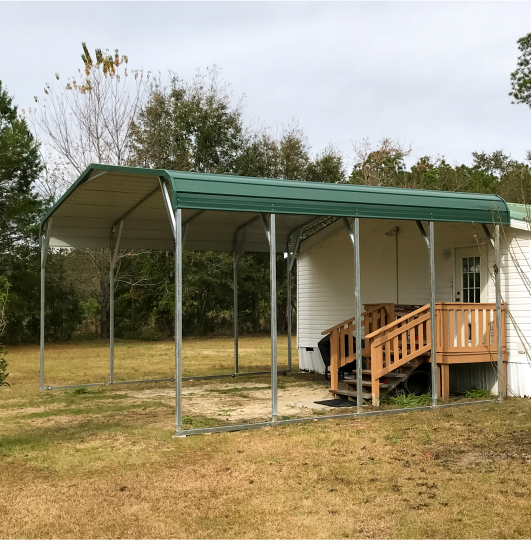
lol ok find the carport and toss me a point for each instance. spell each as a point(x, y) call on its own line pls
point(111, 207)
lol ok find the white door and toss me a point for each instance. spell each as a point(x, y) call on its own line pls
point(470, 275)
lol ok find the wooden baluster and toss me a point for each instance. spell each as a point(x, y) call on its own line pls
point(352, 331)
point(428, 332)
point(459, 327)
point(421, 334)
point(376, 365)
point(504, 327)
point(481, 337)
point(396, 349)
point(342, 351)
point(473, 340)
point(451, 328)
point(494, 333)
point(334, 359)
point(445, 326)
point(488, 328)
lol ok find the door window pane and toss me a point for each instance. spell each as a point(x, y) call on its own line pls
point(471, 279)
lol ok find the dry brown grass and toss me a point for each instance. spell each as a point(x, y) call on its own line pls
point(104, 464)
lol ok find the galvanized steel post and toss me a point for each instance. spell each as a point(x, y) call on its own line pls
point(235, 285)
point(433, 322)
point(114, 246)
point(357, 314)
point(45, 242)
point(273, 265)
point(178, 320)
point(499, 334)
point(43, 276)
point(111, 318)
point(288, 314)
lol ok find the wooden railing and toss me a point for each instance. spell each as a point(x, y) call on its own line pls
point(466, 333)
point(398, 343)
point(377, 316)
point(468, 329)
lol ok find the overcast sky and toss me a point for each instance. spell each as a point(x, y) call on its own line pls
point(436, 75)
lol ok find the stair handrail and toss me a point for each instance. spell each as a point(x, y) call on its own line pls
point(396, 322)
point(352, 319)
point(384, 343)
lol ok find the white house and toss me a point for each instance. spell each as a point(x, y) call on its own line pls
point(394, 269)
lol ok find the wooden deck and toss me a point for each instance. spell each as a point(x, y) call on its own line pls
point(398, 339)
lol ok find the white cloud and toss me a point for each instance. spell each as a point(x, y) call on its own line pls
point(436, 74)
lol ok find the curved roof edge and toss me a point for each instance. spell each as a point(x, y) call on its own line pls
point(238, 193)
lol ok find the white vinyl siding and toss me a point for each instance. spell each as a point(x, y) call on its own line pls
point(325, 280)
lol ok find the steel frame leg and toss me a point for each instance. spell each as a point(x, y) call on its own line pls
point(111, 319)
point(499, 333)
point(235, 285)
point(273, 264)
point(43, 280)
point(357, 313)
point(178, 320)
point(433, 322)
point(288, 314)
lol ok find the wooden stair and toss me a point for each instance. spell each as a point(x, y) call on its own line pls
point(392, 380)
point(397, 339)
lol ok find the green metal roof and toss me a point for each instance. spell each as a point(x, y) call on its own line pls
point(105, 193)
point(520, 212)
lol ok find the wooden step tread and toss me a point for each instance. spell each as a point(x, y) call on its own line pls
point(353, 384)
point(391, 375)
point(351, 393)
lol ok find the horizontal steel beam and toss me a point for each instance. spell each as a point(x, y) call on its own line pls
point(74, 386)
point(142, 381)
point(198, 378)
point(259, 425)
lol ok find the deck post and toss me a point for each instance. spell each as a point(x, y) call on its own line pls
point(273, 264)
point(357, 314)
point(178, 320)
point(499, 333)
point(45, 242)
point(115, 244)
point(433, 322)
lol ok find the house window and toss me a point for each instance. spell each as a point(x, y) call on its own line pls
point(471, 277)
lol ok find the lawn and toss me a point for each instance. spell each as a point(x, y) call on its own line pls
point(103, 463)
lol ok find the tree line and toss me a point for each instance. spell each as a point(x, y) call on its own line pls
point(110, 113)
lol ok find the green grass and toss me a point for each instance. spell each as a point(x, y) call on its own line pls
point(479, 393)
point(405, 401)
point(103, 463)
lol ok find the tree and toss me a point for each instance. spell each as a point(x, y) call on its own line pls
point(87, 120)
point(20, 167)
point(20, 209)
point(4, 290)
point(380, 165)
point(521, 76)
point(189, 126)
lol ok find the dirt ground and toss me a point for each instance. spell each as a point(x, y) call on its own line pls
point(242, 401)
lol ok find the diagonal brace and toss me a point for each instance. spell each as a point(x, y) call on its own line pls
point(489, 236)
point(423, 233)
point(267, 227)
point(167, 202)
point(46, 240)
